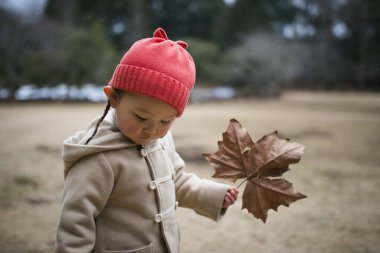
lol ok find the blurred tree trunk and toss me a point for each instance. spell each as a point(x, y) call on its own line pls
point(363, 47)
point(136, 26)
point(324, 24)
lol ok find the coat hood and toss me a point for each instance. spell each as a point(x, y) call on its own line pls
point(108, 137)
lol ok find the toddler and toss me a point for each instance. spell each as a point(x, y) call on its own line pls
point(123, 177)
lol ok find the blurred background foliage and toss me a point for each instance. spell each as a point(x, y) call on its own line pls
point(258, 47)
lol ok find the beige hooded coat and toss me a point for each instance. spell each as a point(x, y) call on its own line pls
point(121, 197)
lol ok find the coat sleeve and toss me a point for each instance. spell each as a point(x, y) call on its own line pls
point(203, 196)
point(87, 187)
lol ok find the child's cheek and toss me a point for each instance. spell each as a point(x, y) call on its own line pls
point(163, 131)
point(127, 127)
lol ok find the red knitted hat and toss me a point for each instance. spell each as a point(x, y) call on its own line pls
point(157, 67)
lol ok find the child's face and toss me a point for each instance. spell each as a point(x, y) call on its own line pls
point(142, 118)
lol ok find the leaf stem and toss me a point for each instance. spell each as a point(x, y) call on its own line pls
point(242, 183)
point(247, 178)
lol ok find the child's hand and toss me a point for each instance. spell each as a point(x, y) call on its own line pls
point(230, 197)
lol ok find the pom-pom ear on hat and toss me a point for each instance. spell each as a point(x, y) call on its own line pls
point(157, 67)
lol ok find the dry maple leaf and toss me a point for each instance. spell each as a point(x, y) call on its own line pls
point(258, 163)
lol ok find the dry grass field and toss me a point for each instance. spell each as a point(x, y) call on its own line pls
point(339, 172)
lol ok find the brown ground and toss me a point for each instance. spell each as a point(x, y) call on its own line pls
point(339, 173)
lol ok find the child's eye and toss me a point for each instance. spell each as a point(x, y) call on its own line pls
point(139, 118)
point(164, 122)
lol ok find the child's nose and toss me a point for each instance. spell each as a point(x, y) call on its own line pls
point(150, 129)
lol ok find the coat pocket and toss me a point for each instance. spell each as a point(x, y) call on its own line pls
point(145, 249)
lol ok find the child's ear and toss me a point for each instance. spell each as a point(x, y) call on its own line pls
point(111, 95)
